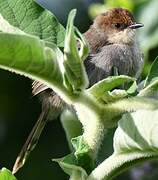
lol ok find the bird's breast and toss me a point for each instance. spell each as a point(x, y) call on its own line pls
point(126, 58)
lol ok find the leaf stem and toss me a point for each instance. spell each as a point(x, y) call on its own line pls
point(118, 163)
point(89, 114)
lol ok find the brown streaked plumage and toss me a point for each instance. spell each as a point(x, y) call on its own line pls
point(113, 44)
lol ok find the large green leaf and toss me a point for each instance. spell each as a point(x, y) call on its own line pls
point(32, 19)
point(5, 174)
point(143, 136)
point(28, 56)
point(135, 140)
point(42, 60)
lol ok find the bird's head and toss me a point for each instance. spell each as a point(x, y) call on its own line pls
point(117, 26)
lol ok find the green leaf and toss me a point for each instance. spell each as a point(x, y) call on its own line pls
point(143, 136)
point(114, 95)
point(83, 153)
point(133, 89)
point(153, 73)
point(8, 28)
point(71, 125)
point(5, 174)
point(135, 141)
point(78, 163)
point(108, 84)
point(73, 63)
point(31, 18)
point(84, 49)
point(151, 83)
point(28, 56)
point(69, 165)
point(150, 90)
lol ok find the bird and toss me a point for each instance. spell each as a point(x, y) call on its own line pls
point(113, 43)
point(113, 46)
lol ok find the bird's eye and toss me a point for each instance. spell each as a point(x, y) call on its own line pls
point(117, 25)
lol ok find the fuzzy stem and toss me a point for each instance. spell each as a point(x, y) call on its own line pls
point(89, 114)
point(118, 163)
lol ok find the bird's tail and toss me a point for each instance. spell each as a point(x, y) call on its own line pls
point(52, 106)
point(32, 139)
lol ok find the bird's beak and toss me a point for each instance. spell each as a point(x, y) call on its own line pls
point(135, 26)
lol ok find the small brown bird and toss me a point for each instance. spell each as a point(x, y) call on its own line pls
point(113, 47)
point(113, 44)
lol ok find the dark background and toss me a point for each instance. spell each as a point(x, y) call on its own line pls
point(19, 110)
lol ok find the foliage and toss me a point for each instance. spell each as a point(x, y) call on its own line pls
point(5, 174)
point(30, 18)
point(98, 108)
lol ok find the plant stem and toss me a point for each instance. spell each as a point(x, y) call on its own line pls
point(118, 163)
point(89, 114)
